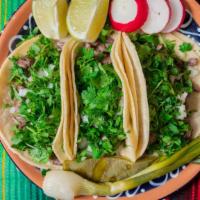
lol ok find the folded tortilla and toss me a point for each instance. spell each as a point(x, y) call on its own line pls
point(133, 120)
point(7, 121)
point(138, 89)
point(193, 100)
point(129, 108)
point(64, 145)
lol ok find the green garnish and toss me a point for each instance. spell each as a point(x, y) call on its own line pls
point(167, 79)
point(105, 33)
point(40, 107)
point(101, 125)
point(32, 33)
point(44, 172)
point(185, 47)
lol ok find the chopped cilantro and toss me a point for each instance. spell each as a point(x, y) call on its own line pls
point(105, 33)
point(32, 33)
point(184, 47)
point(44, 172)
point(40, 107)
point(100, 90)
point(160, 68)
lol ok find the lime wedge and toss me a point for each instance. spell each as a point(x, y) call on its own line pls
point(50, 17)
point(86, 18)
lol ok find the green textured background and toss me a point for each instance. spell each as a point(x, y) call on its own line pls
point(14, 185)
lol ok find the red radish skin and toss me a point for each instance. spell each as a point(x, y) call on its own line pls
point(123, 22)
point(159, 15)
point(177, 16)
point(170, 10)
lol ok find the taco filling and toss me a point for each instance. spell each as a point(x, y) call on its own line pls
point(168, 85)
point(101, 130)
point(35, 99)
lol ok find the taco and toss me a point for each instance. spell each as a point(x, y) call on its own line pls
point(64, 140)
point(30, 103)
point(171, 65)
point(137, 85)
point(162, 68)
point(103, 102)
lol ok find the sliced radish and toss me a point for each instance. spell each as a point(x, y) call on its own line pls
point(128, 15)
point(159, 14)
point(177, 16)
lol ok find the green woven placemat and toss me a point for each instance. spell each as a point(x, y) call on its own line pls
point(14, 185)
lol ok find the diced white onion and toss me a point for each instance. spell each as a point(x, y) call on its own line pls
point(13, 110)
point(50, 85)
point(30, 79)
point(183, 113)
point(183, 97)
point(85, 119)
point(51, 66)
point(89, 149)
point(43, 73)
point(22, 92)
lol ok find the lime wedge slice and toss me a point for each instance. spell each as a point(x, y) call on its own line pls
point(50, 17)
point(86, 18)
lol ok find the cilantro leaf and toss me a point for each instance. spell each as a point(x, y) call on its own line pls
point(160, 68)
point(100, 91)
point(184, 47)
point(40, 107)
